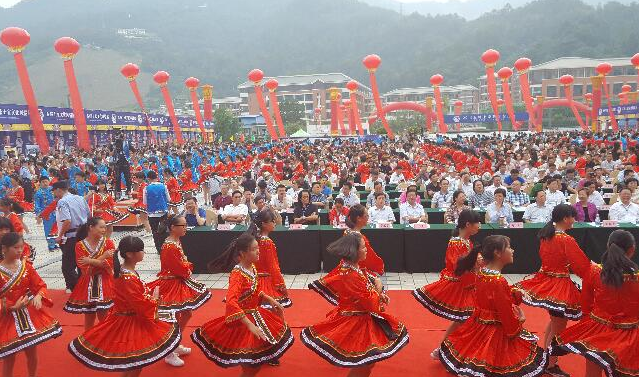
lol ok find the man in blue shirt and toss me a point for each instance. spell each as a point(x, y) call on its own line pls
point(5, 183)
point(156, 198)
point(42, 198)
point(194, 215)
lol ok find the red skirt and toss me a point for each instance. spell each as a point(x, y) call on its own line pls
point(319, 287)
point(111, 217)
point(449, 298)
point(615, 350)
point(175, 198)
point(559, 295)
point(232, 344)
point(124, 342)
point(479, 349)
point(356, 340)
point(137, 209)
point(266, 285)
point(178, 294)
point(91, 293)
point(26, 328)
point(26, 206)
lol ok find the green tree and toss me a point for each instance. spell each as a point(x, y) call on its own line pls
point(292, 116)
point(226, 124)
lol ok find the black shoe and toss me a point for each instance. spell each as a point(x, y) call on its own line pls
point(556, 371)
point(274, 363)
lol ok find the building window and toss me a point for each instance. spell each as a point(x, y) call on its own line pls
point(578, 90)
point(551, 91)
point(308, 97)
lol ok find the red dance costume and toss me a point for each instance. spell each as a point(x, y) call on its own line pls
point(373, 265)
point(178, 291)
point(131, 336)
point(188, 186)
point(228, 342)
point(608, 335)
point(268, 271)
point(451, 297)
point(102, 205)
point(17, 194)
point(94, 290)
point(28, 326)
point(175, 195)
point(16, 222)
point(357, 332)
point(139, 206)
point(492, 342)
point(551, 288)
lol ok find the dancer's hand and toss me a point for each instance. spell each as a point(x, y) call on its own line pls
point(520, 314)
point(20, 303)
point(257, 332)
point(378, 284)
point(156, 292)
point(37, 302)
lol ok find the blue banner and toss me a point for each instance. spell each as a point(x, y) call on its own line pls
point(632, 108)
point(18, 114)
point(482, 118)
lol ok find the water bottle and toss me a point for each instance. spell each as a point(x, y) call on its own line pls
point(286, 224)
point(597, 220)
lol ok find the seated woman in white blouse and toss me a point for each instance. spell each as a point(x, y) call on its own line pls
point(498, 208)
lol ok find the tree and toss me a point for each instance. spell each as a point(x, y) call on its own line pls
point(292, 116)
point(226, 124)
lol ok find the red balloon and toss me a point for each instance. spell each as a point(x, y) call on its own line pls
point(372, 62)
point(588, 96)
point(566, 79)
point(67, 46)
point(256, 75)
point(458, 103)
point(436, 79)
point(15, 37)
point(130, 70)
point(505, 73)
point(604, 68)
point(500, 102)
point(490, 57)
point(318, 110)
point(272, 84)
point(352, 85)
point(191, 82)
point(161, 77)
point(626, 88)
point(635, 60)
point(523, 64)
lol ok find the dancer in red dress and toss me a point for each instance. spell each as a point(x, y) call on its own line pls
point(180, 294)
point(357, 333)
point(608, 335)
point(248, 335)
point(552, 288)
point(173, 187)
point(16, 193)
point(28, 251)
point(206, 170)
point(492, 342)
point(24, 323)
point(9, 209)
point(451, 297)
point(93, 294)
point(270, 277)
point(139, 208)
point(188, 187)
point(131, 336)
point(102, 204)
point(373, 265)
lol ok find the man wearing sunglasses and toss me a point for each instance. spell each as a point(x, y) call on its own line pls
point(236, 212)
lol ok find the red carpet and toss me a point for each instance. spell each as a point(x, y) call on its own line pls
point(425, 332)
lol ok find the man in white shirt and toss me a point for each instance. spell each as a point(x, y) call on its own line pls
point(594, 196)
point(466, 185)
point(609, 165)
point(397, 176)
point(624, 211)
point(538, 212)
point(412, 211)
point(370, 182)
point(293, 191)
point(496, 184)
point(236, 212)
point(280, 202)
point(554, 197)
point(530, 173)
point(380, 212)
point(443, 197)
point(350, 198)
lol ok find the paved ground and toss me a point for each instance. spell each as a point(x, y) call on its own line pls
point(48, 265)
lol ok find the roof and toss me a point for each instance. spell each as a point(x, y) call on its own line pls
point(428, 90)
point(576, 62)
point(227, 100)
point(327, 78)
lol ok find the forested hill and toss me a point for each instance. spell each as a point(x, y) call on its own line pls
point(219, 41)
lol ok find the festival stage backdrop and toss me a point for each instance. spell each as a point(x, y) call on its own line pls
point(102, 125)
